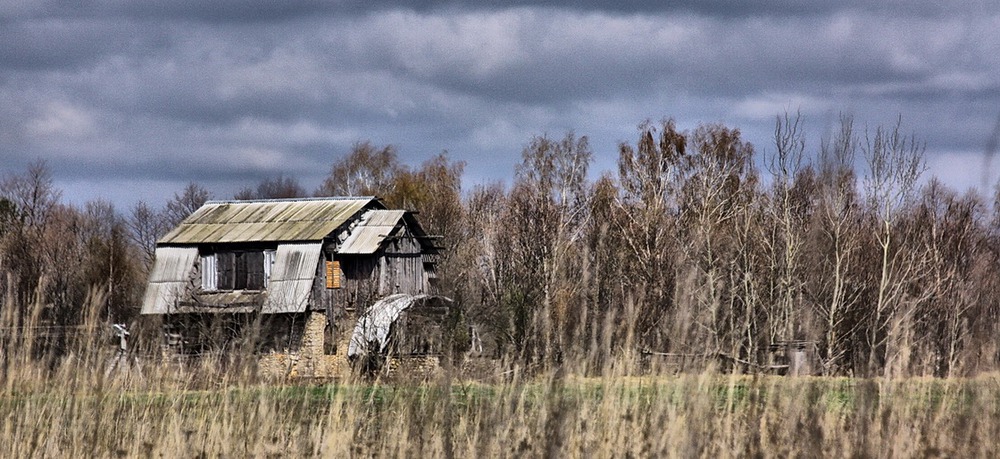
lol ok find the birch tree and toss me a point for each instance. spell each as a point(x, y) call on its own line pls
point(549, 201)
point(895, 163)
point(785, 165)
point(367, 170)
point(650, 177)
point(720, 182)
point(834, 290)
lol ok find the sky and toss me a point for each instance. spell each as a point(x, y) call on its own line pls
point(131, 100)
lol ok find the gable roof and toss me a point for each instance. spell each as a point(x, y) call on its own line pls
point(374, 227)
point(267, 220)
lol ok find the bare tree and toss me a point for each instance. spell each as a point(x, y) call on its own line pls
point(650, 175)
point(109, 265)
point(435, 189)
point(367, 170)
point(785, 165)
point(835, 247)
point(720, 183)
point(185, 203)
point(32, 205)
point(549, 202)
point(488, 282)
point(280, 187)
point(8, 215)
point(895, 163)
point(950, 241)
point(32, 194)
point(145, 226)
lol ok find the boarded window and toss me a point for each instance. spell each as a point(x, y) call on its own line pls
point(240, 280)
point(333, 274)
point(227, 275)
point(255, 270)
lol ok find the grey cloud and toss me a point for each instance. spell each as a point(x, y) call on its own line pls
point(533, 58)
point(717, 8)
point(241, 90)
point(218, 11)
point(66, 44)
point(266, 11)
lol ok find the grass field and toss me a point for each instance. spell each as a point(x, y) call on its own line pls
point(73, 411)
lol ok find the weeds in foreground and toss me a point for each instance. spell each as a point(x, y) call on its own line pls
point(75, 409)
point(86, 401)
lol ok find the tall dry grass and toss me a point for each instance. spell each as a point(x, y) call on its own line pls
point(70, 405)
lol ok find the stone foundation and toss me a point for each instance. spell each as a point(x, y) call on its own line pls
point(308, 361)
point(419, 367)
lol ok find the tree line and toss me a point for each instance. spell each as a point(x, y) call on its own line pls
point(698, 244)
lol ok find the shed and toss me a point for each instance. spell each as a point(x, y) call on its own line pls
point(286, 262)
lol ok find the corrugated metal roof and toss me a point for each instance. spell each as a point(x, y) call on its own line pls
point(292, 277)
point(367, 236)
point(169, 278)
point(271, 220)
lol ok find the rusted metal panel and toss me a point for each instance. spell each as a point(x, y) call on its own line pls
point(371, 231)
point(169, 279)
point(265, 220)
point(292, 276)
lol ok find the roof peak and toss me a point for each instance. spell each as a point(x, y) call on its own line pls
point(324, 198)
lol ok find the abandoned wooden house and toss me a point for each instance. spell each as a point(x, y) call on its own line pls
point(301, 270)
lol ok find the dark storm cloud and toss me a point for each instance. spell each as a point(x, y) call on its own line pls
point(115, 94)
point(717, 8)
point(263, 11)
point(217, 11)
point(39, 44)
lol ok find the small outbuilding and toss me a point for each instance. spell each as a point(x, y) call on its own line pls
point(302, 270)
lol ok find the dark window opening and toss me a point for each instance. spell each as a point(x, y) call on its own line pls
point(240, 270)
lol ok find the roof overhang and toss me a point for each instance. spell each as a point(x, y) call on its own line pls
point(269, 220)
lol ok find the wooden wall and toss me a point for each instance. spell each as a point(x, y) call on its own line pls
point(364, 279)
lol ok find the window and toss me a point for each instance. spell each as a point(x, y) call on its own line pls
point(268, 262)
point(236, 270)
point(209, 275)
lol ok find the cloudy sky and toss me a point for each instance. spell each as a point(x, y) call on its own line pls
point(131, 100)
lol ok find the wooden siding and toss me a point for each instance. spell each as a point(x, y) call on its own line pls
point(398, 267)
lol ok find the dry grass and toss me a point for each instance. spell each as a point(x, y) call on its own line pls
point(72, 406)
point(74, 410)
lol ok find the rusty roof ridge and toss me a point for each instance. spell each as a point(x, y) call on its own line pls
point(322, 198)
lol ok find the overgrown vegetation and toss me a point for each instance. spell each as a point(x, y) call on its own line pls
point(699, 245)
point(83, 405)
